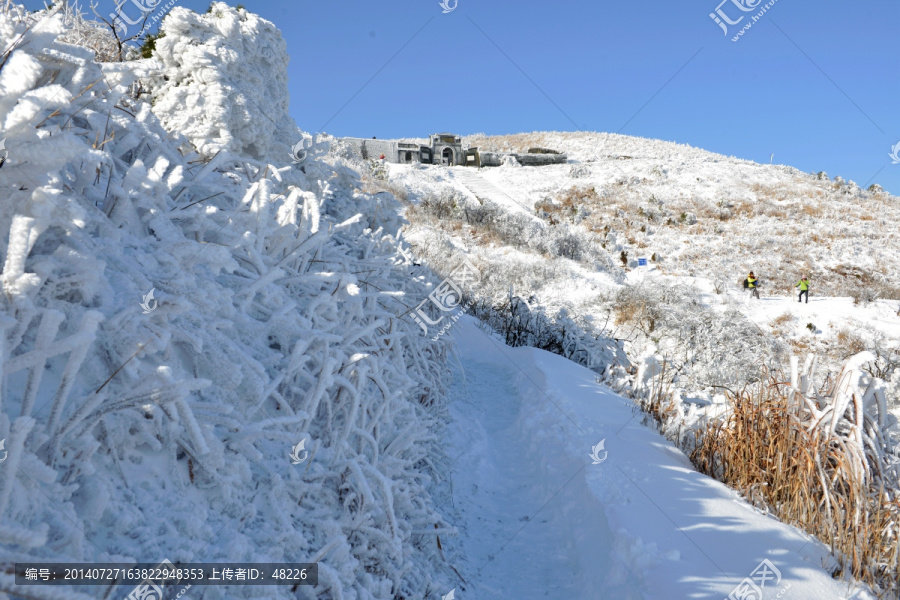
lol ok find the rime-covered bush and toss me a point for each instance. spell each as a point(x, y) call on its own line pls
point(175, 320)
point(214, 90)
point(703, 346)
point(522, 325)
point(516, 229)
point(92, 34)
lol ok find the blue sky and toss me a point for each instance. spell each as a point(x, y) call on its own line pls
point(815, 83)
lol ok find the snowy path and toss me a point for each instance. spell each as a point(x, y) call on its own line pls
point(503, 479)
point(481, 188)
point(822, 311)
point(538, 520)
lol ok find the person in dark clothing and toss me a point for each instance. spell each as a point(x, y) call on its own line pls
point(803, 284)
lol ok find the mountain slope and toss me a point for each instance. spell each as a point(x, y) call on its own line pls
point(540, 520)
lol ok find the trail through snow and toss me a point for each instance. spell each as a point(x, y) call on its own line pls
point(539, 520)
point(483, 189)
point(826, 312)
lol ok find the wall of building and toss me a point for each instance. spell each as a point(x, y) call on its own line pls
point(490, 159)
point(537, 160)
point(410, 153)
point(368, 148)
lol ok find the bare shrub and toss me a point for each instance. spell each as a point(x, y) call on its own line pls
point(442, 206)
point(850, 342)
point(522, 325)
point(633, 306)
point(862, 294)
point(886, 291)
point(93, 35)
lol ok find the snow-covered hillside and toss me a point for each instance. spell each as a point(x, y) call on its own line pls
point(710, 215)
point(211, 349)
point(701, 220)
point(693, 338)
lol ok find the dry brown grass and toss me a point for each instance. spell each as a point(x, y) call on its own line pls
point(849, 342)
point(783, 319)
point(770, 449)
point(769, 192)
point(519, 142)
point(658, 401)
point(812, 210)
point(374, 186)
point(566, 205)
point(799, 346)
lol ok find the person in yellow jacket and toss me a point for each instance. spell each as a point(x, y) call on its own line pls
point(753, 284)
point(803, 284)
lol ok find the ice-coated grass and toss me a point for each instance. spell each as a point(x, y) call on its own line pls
point(277, 290)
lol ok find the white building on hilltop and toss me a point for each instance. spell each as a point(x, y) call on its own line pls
point(444, 149)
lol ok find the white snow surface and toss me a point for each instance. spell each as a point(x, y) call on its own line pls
point(479, 187)
point(540, 520)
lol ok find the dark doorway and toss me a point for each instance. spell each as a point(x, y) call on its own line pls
point(447, 156)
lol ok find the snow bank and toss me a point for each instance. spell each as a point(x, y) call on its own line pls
point(142, 427)
point(225, 84)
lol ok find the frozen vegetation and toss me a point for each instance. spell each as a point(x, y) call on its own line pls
point(188, 294)
point(273, 319)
